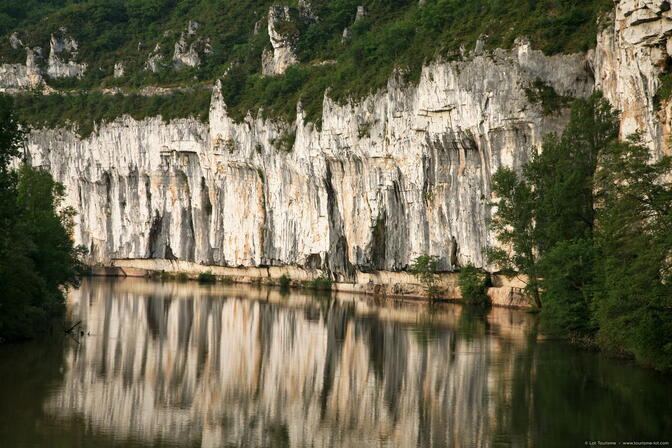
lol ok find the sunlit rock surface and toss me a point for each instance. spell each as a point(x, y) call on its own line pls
point(283, 33)
point(62, 55)
point(190, 47)
point(400, 174)
point(633, 50)
point(61, 63)
point(404, 172)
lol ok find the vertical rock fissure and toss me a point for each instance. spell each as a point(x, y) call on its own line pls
point(337, 260)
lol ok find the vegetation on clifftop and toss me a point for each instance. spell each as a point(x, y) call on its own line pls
point(398, 34)
point(86, 109)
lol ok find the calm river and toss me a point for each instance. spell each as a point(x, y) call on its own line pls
point(188, 365)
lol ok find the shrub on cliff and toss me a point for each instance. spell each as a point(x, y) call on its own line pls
point(426, 270)
point(285, 281)
point(321, 283)
point(37, 256)
point(207, 277)
point(474, 285)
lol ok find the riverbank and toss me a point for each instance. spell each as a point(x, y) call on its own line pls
point(504, 292)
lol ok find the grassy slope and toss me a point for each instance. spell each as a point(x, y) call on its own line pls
point(395, 33)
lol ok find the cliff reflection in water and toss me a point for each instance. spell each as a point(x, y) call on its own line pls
point(188, 365)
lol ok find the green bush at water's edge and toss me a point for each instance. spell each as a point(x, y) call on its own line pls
point(207, 277)
point(426, 269)
point(285, 281)
point(474, 285)
point(321, 283)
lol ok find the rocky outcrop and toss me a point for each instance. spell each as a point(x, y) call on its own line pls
point(15, 41)
point(361, 13)
point(61, 63)
point(283, 33)
point(382, 181)
point(189, 47)
point(634, 49)
point(16, 77)
point(154, 60)
point(62, 56)
point(119, 69)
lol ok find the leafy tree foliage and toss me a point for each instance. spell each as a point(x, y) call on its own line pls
point(634, 303)
point(513, 223)
point(37, 257)
point(426, 270)
point(552, 201)
point(87, 109)
point(588, 220)
point(568, 287)
point(474, 285)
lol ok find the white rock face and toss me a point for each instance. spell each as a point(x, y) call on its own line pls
point(61, 44)
point(283, 39)
point(629, 58)
point(154, 60)
point(185, 55)
point(16, 77)
point(15, 41)
point(381, 182)
point(361, 13)
point(188, 47)
point(119, 69)
point(405, 172)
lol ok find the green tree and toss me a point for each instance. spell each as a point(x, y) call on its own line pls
point(568, 287)
point(37, 256)
point(513, 224)
point(552, 202)
point(561, 174)
point(634, 303)
point(426, 270)
point(48, 224)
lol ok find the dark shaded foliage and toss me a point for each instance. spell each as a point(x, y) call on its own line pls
point(37, 256)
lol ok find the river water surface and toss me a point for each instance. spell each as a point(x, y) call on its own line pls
point(188, 365)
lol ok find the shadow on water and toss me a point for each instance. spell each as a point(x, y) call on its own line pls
point(182, 364)
point(29, 372)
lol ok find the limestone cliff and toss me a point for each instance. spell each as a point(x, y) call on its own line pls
point(634, 49)
point(398, 175)
point(404, 172)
